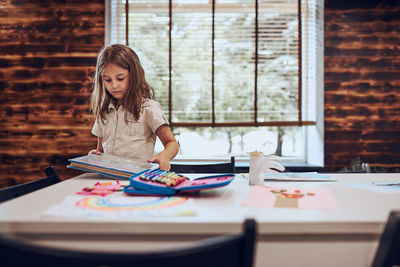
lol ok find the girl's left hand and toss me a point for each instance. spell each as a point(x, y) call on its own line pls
point(162, 162)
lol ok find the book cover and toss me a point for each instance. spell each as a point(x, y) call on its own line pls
point(110, 165)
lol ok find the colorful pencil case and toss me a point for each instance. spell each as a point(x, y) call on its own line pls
point(158, 182)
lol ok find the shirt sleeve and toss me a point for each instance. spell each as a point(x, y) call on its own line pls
point(154, 116)
point(96, 130)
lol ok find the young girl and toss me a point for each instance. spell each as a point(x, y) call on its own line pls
point(127, 117)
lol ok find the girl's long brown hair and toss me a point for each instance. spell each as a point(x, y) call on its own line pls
point(139, 90)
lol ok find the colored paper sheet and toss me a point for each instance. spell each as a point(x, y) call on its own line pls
point(102, 189)
point(287, 197)
point(122, 207)
point(298, 176)
point(386, 187)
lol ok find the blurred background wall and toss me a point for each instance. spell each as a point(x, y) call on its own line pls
point(362, 83)
point(48, 53)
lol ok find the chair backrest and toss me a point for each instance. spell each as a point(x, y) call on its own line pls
point(388, 252)
point(11, 192)
point(225, 167)
point(234, 250)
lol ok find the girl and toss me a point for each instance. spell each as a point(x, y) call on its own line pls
point(127, 117)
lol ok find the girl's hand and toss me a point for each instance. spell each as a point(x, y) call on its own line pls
point(171, 148)
point(162, 162)
point(94, 151)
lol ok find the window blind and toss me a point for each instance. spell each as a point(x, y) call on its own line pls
point(224, 62)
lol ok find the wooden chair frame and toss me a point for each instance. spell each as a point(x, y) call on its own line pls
point(225, 167)
point(388, 252)
point(25, 188)
point(234, 250)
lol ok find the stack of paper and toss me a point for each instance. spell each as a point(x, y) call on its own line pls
point(110, 165)
point(298, 176)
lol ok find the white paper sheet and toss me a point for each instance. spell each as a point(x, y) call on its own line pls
point(122, 207)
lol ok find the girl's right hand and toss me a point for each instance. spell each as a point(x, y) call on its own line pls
point(95, 151)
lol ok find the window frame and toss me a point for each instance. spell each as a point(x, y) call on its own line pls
point(313, 138)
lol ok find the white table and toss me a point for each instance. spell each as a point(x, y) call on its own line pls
point(286, 236)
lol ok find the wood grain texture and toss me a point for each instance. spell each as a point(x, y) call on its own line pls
point(362, 85)
point(48, 52)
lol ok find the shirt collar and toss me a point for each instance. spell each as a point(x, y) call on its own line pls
point(111, 106)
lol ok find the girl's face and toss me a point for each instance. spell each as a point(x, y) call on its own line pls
point(116, 81)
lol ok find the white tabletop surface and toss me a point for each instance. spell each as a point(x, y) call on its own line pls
point(219, 210)
point(286, 236)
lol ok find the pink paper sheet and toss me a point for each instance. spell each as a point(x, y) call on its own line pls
point(313, 198)
point(101, 189)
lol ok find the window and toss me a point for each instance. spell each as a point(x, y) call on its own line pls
point(232, 76)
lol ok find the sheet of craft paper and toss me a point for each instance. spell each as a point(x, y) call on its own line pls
point(102, 189)
point(289, 197)
point(298, 176)
point(381, 187)
point(122, 207)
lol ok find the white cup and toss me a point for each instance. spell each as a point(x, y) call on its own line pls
point(256, 168)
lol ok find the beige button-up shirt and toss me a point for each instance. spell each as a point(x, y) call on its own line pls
point(131, 139)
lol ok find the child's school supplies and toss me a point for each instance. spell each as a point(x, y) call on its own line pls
point(290, 197)
point(164, 177)
point(158, 182)
point(93, 207)
point(109, 165)
point(102, 189)
point(298, 176)
point(388, 186)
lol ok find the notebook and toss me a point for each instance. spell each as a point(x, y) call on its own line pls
point(110, 165)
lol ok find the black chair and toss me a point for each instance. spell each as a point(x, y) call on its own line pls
point(234, 250)
point(25, 188)
point(225, 167)
point(388, 252)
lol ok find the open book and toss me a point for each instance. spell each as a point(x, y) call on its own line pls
point(110, 165)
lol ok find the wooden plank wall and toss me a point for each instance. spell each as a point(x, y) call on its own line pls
point(48, 53)
point(362, 83)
